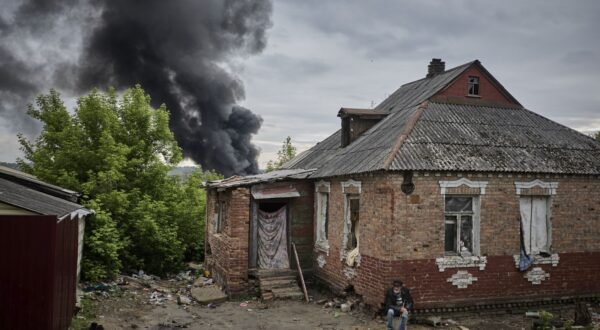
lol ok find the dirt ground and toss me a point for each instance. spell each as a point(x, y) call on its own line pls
point(133, 304)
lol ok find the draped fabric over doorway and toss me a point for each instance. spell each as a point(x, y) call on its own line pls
point(272, 239)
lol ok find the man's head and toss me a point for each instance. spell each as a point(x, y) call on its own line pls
point(397, 284)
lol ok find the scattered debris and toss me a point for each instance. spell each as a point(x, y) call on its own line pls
point(433, 321)
point(345, 307)
point(158, 298)
point(208, 294)
point(183, 300)
point(202, 281)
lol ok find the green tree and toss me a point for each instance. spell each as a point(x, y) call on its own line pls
point(287, 152)
point(598, 136)
point(117, 152)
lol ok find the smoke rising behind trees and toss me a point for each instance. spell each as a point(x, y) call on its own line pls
point(181, 52)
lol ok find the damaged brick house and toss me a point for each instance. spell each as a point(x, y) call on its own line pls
point(449, 184)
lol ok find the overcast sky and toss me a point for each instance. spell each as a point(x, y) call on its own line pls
point(323, 55)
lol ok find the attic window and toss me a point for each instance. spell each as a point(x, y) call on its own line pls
point(473, 85)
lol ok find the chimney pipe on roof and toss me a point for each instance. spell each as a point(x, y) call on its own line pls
point(436, 66)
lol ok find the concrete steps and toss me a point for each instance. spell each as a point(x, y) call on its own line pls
point(279, 284)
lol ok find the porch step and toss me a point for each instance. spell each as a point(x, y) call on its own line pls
point(265, 273)
point(279, 284)
point(275, 283)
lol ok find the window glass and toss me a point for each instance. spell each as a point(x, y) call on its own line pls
point(450, 235)
point(473, 85)
point(459, 204)
point(459, 234)
point(466, 233)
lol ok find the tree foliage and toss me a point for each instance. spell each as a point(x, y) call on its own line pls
point(117, 151)
point(597, 136)
point(287, 152)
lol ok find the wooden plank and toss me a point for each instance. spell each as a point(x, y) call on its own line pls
point(300, 273)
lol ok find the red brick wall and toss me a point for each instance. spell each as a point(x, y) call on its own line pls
point(301, 219)
point(488, 92)
point(229, 248)
point(575, 274)
point(400, 237)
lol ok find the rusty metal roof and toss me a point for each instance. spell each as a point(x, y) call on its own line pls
point(247, 180)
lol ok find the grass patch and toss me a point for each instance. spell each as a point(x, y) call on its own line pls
point(85, 315)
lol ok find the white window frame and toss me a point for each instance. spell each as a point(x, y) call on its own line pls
point(322, 189)
point(475, 219)
point(471, 83)
point(475, 261)
point(349, 195)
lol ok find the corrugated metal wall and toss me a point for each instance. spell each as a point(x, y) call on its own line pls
point(38, 257)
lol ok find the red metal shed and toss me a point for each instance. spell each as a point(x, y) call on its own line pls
point(39, 240)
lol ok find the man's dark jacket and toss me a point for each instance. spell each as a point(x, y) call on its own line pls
point(390, 298)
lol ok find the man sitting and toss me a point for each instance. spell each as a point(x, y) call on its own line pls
point(398, 302)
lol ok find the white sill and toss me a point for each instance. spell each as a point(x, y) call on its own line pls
point(473, 96)
point(539, 260)
point(461, 262)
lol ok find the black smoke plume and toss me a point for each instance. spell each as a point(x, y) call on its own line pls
point(180, 51)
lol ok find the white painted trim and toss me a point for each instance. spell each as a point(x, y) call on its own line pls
point(82, 212)
point(462, 279)
point(323, 183)
point(463, 181)
point(537, 183)
point(536, 276)
point(461, 262)
point(350, 183)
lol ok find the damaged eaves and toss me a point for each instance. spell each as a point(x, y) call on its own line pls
point(279, 175)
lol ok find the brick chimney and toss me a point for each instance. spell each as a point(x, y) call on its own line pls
point(436, 66)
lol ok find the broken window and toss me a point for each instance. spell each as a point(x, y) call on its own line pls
point(473, 85)
point(460, 234)
point(535, 224)
point(352, 221)
point(220, 216)
point(351, 229)
point(322, 219)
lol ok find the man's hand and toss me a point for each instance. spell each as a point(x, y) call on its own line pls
point(403, 310)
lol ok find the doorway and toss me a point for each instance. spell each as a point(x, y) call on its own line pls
point(272, 235)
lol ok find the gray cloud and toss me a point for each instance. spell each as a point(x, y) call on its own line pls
point(543, 52)
point(323, 55)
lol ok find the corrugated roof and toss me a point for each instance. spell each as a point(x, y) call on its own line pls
point(318, 155)
point(27, 198)
point(370, 150)
point(37, 184)
point(273, 176)
point(454, 137)
point(418, 91)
